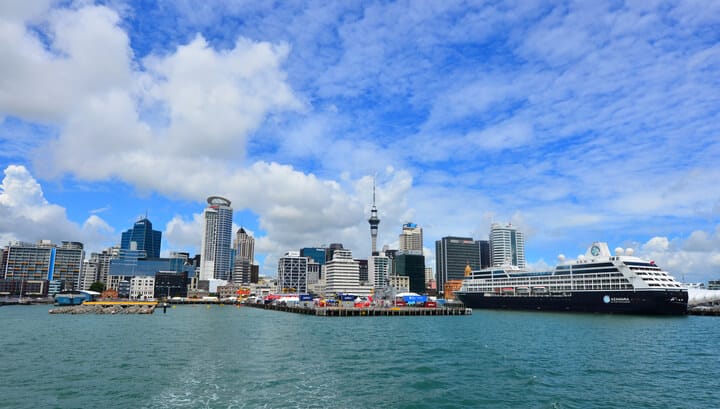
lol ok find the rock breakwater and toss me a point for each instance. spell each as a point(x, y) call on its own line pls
point(105, 309)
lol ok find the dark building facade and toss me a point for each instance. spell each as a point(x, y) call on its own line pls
point(452, 255)
point(363, 270)
point(485, 259)
point(412, 266)
point(169, 284)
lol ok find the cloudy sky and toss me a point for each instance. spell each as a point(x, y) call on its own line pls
point(574, 121)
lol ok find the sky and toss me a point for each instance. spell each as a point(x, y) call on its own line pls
point(574, 121)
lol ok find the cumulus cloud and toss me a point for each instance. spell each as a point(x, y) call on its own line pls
point(184, 234)
point(26, 215)
point(692, 259)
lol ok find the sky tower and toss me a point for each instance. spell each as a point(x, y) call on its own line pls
point(374, 221)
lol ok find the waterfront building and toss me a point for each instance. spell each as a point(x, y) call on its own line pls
point(101, 263)
point(411, 239)
point(378, 267)
point(216, 240)
point(374, 221)
point(452, 255)
point(429, 276)
point(142, 287)
point(130, 267)
point(29, 288)
point(45, 261)
point(399, 284)
point(507, 246)
point(292, 273)
point(89, 273)
point(413, 267)
point(147, 240)
point(342, 275)
point(313, 271)
point(171, 284)
point(244, 257)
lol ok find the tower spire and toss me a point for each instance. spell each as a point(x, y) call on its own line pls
point(374, 222)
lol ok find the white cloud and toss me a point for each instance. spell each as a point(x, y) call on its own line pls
point(26, 215)
point(692, 259)
point(184, 235)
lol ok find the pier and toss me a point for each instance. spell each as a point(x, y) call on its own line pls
point(364, 312)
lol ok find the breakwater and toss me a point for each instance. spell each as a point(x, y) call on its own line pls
point(112, 307)
point(365, 312)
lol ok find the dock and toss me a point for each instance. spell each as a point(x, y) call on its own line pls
point(365, 311)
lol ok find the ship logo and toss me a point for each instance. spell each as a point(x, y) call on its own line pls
point(606, 299)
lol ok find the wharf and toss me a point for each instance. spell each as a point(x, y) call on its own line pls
point(713, 311)
point(365, 312)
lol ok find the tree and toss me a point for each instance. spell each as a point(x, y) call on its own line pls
point(97, 286)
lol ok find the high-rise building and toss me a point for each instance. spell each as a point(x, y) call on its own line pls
point(217, 240)
point(245, 245)
point(452, 255)
point(374, 221)
point(484, 247)
point(244, 257)
point(412, 266)
point(147, 240)
point(101, 263)
point(342, 275)
point(411, 239)
point(378, 271)
point(292, 273)
point(46, 261)
point(507, 245)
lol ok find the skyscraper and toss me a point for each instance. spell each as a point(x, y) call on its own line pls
point(452, 255)
point(411, 239)
point(245, 245)
point(147, 240)
point(374, 222)
point(244, 257)
point(507, 245)
point(217, 239)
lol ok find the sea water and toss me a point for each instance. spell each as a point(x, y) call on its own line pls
point(229, 357)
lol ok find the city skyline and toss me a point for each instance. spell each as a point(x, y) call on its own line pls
point(573, 122)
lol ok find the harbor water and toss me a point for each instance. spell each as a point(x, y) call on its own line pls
point(229, 357)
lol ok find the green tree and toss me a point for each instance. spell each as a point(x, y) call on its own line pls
point(97, 286)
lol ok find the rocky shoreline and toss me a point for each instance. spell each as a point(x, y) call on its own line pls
point(104, 309)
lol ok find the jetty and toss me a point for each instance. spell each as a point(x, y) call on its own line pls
point(364, 311)
point(108, 307)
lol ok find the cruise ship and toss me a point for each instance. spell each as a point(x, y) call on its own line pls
point(596, 282)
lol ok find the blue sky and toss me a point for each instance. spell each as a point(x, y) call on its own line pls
point(575, 121)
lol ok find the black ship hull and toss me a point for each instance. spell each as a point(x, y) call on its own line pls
point(658, 302)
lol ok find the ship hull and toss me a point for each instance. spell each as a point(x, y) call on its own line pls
point(662, 302)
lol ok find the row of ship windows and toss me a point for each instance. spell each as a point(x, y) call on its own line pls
point(562, 288)
point(596, 281)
